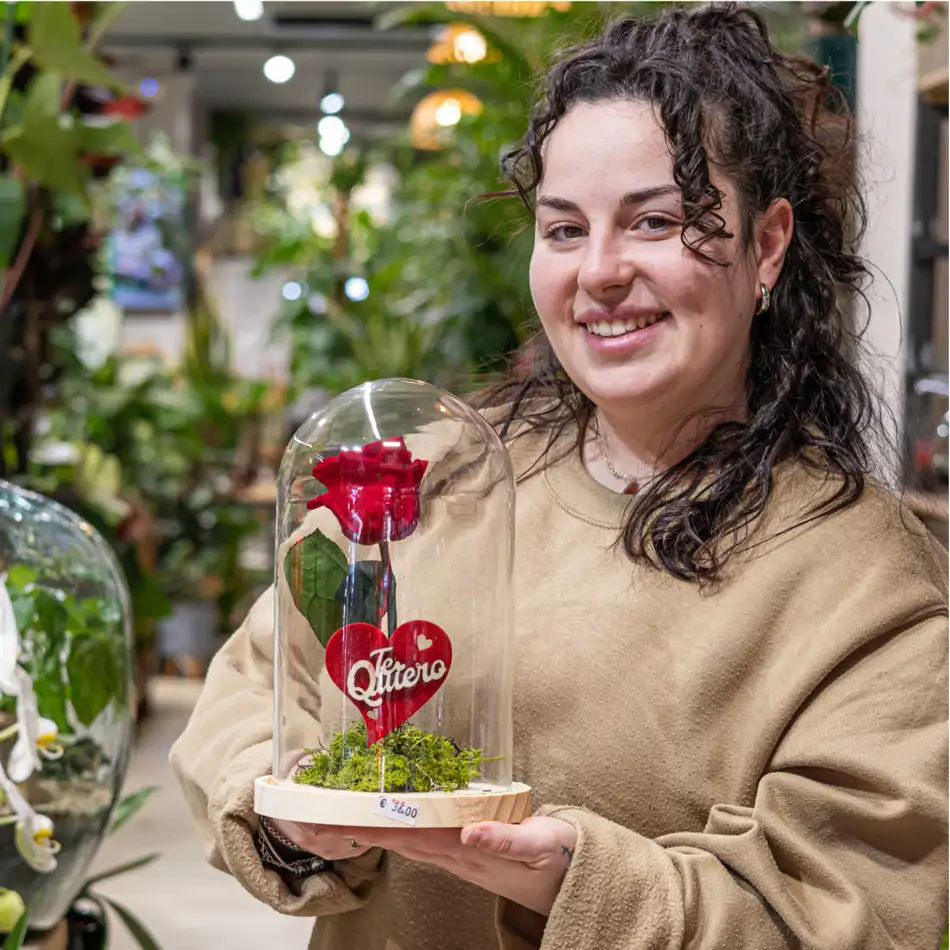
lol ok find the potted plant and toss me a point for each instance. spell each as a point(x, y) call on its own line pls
point(65, 684)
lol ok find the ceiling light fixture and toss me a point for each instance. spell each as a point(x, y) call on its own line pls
point(279, 69)
point(517, 8)
point(334, 134)
point(332, 103)
point(439, 112)
point(460, 43)
point(249, 10)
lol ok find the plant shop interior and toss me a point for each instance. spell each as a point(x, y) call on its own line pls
point(216, 217)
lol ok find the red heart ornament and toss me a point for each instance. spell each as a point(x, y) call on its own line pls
point(388, 679)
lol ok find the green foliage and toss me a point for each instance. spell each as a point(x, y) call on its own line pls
point(411, 760)
point(12, 206)
point(363, 594)
point(55, 39)
point(130, 806)
point(135, 926)
point(162, 441)
point(328, 591)
point(315, 568)
point(75, 629)
point(15, 937)
point(44, 138)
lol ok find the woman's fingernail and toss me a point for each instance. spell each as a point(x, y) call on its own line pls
point(473, 837)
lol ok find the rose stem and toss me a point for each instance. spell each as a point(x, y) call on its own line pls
point(388, 599)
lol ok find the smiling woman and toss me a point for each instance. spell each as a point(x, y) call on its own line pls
point(730, 698)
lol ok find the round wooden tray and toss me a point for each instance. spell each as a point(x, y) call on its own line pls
point(324, 806)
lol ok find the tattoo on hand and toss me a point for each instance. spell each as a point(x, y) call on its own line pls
point(567, 852)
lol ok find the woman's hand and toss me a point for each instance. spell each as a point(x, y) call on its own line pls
point(324, 841)
point(525, 863)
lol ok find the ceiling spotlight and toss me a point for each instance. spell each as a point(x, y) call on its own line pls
point(279, 69)
point(333, 134)
point(332, 103)
point(469, 46)
point(332, 126)
point(149, 88)
point(331, 147)
point(249, 9)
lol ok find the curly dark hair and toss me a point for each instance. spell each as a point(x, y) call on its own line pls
point(778, 129)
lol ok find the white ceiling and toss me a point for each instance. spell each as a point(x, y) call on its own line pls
point(226, 54)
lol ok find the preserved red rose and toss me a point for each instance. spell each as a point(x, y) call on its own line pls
point(373, 491)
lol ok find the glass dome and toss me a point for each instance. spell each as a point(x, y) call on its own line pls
point(65, 687)
point(393, 613)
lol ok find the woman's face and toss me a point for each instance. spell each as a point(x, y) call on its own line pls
point(636, 320)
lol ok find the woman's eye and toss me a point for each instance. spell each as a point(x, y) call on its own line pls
point(564, 232)
point(655, 224)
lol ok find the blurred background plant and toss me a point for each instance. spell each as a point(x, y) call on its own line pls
point(397, 266)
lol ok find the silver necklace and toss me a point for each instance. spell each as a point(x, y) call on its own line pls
point(632, 481)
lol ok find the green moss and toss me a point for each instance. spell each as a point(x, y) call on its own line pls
point(411, 761)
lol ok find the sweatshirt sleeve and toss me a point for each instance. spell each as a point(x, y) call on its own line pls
point(843, 848)
point(226, 745)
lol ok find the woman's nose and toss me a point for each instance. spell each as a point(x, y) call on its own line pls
point(605, 266)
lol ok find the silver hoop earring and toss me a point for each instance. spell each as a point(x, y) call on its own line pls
point(765, 301)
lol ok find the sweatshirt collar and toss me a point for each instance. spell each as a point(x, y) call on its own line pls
point(582, 496)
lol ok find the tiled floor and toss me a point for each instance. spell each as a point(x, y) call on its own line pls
point(185, 903)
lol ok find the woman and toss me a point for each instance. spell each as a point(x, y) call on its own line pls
point(734, 720)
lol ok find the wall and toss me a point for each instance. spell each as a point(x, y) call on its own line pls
point(886, 103)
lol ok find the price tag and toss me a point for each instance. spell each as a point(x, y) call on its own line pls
point(395, 809)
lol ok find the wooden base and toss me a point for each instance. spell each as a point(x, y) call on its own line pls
point(324, 806)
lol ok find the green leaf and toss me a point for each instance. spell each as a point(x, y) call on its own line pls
point(314, 567)
point(325, 617)
point(57, 46)
point(12, 208)
point(20, 576)
point(144, 939)
point(122, 869)
point(105, 15)
point(361, 593)
point(113, 139)
point(91, 669)
point(42, 99)
point(11, 102)
point(46, 151)
point(16, 936)
point(51, 700)
point(130, 806)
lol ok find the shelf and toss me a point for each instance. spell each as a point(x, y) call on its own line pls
point(933, 85)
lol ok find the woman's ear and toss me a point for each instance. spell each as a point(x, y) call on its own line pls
point(773, 234)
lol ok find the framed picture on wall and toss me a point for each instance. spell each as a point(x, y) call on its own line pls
point(148, 247)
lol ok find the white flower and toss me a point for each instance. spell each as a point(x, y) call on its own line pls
point(37, 735)
point(9, 644)
point(34, 832)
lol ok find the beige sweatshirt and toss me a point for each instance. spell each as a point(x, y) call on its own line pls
point(755, 767)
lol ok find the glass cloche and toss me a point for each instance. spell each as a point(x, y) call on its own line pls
point(65, 687)
point(393, 613)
